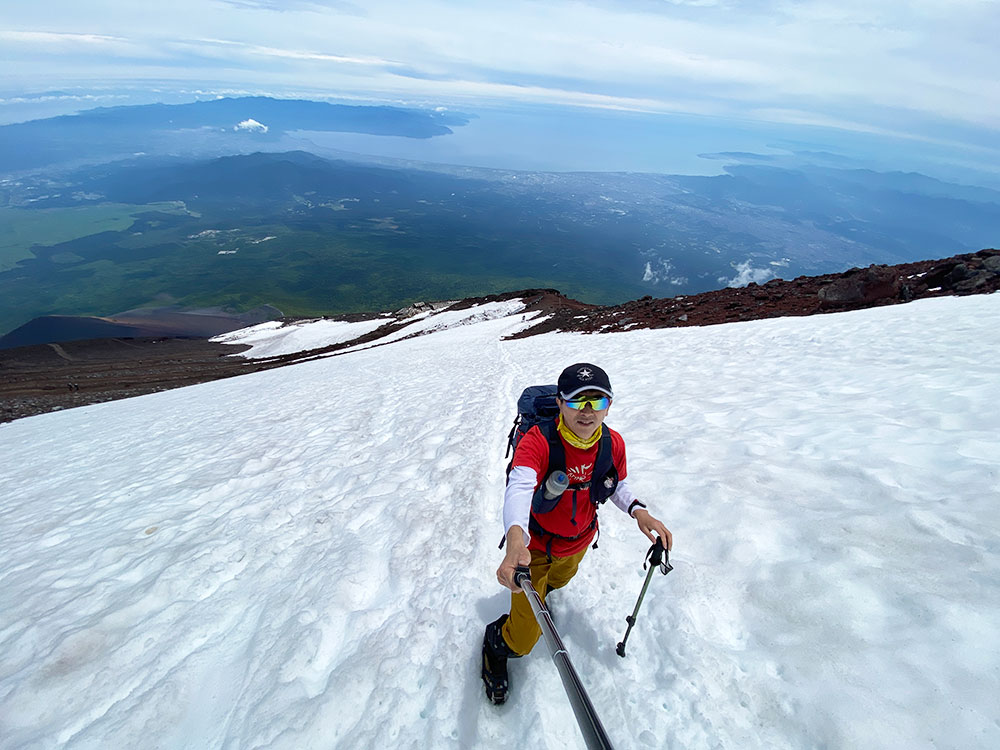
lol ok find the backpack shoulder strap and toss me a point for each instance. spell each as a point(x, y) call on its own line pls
point(604, 480)
point(557, 453)
point(604, 460)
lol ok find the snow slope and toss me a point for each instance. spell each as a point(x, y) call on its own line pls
point(273, 339)
point(304, 557)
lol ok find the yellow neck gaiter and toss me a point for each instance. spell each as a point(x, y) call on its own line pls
point(575, 440)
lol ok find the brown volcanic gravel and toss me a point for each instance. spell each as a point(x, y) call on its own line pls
point(972, 273)
point(48, 377)
point(38, 379)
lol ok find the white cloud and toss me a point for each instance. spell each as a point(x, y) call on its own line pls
point(60, 38)
point(251, 126)
point(659, 270)
point(283, 6)
point(90, 99)
point(745, 273)
point(294, 54)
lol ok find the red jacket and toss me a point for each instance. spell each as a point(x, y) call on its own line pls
point(533, 452)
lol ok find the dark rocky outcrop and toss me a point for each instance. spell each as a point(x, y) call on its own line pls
point(864, 288)
point(154, 322)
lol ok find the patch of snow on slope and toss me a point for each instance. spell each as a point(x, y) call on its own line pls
point(446, 319)
point(272, 339)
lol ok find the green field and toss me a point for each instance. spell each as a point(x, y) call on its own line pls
point(104, 259)
point(23, 228)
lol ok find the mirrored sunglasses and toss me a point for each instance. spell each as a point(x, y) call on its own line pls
point(597, 403)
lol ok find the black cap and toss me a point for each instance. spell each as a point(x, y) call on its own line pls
point(583, 377)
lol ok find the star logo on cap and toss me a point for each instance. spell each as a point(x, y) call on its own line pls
point(585, 373)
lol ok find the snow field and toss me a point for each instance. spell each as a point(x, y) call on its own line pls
point(304, 557)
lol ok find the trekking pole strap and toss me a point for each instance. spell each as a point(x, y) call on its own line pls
point(593, 731)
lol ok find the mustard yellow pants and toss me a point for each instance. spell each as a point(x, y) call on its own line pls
point(521, 631)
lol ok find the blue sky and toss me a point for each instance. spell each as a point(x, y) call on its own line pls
point(922, 71)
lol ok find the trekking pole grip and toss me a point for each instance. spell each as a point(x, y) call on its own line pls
point(658, 557)
point(655, 554)
point(658, 551)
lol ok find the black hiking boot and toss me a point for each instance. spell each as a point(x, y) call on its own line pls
point(495, 655)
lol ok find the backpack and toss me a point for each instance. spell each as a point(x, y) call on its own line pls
point(537, 404)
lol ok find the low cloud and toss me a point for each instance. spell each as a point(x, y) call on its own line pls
point(251, 126)
point(746, 273)
point(58, 96)
point(659, 271)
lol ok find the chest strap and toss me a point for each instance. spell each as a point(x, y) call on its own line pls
point(604, 477)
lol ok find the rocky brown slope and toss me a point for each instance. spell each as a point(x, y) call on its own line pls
point(972, 273)
point(48, 377)
point(38, 379)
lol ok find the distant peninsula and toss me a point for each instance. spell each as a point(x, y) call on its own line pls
point(226, 125)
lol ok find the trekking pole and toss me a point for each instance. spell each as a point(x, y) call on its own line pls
point(593, 731)
point(657, 557)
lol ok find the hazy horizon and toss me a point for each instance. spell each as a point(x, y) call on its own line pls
point(569, 139)
point(603, 85)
